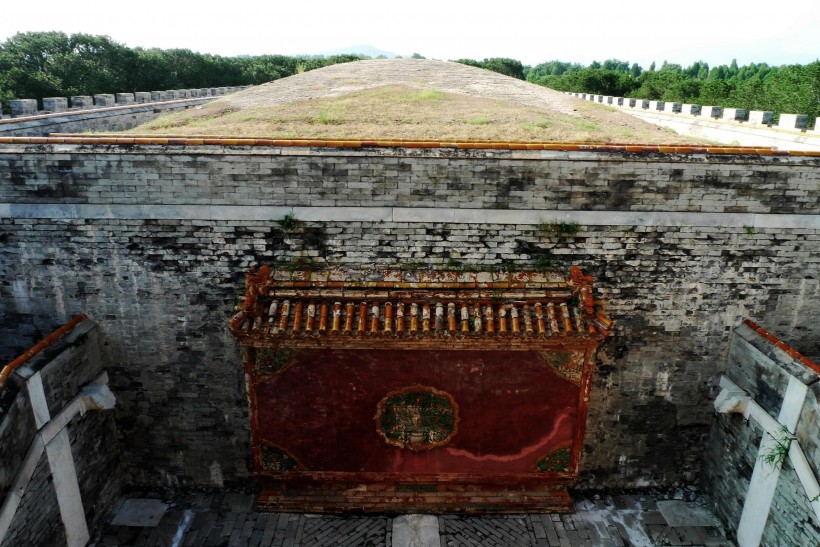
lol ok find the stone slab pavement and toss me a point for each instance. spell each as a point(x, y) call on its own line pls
point(225, 519)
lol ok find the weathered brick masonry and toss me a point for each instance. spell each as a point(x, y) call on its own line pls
point(154, 242)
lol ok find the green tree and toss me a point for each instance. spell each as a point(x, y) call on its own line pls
point(503, 65)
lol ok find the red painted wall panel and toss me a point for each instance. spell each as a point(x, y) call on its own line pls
point(513, 407)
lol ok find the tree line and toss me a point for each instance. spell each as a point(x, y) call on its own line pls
point(34, 65)
point(757, 86)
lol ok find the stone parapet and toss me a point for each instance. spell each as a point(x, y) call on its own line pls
point(124, 98)
point(142, 97)
point(711, 111)
point(734, 114)
point(105, 99)
point(55, 104)
point(761, 117)
point(23, 107)
point(82, 101)
point(793, 121)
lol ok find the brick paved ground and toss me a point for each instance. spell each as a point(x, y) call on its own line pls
point(228, 519)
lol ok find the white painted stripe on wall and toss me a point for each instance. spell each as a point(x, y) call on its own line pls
point(764, 476)
point(67, 488)
point(424, 215)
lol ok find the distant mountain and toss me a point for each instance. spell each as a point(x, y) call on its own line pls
point(370, 51)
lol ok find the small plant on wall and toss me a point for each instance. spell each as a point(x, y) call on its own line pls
point(558, 230)
point(289, 223)
point(776, 455)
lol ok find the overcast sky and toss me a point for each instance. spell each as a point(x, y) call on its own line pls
point(782, 32)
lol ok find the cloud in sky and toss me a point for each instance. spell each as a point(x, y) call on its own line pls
point(638, 31)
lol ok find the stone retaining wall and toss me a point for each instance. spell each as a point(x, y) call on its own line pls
point(161, 260)
point(49, 447)
point(764, 372)
point(115, 118)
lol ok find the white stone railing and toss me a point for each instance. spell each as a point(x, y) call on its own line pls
point(29, 107)
point(764, 118)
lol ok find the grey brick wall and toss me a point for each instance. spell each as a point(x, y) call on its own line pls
point(37, 520)
point(163, 289)
point(791, 520)
point(762, 370)
point(65, 367)
point(428, 178)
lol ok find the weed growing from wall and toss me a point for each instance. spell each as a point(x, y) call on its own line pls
point(289, 223)
point(776, 455)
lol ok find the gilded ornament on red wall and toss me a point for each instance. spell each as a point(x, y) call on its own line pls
point(417, 418)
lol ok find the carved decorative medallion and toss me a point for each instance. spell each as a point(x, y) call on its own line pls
point(568, 364)
point(277, 459)
point(270, 361)
point(557, 461)
point(417, 417)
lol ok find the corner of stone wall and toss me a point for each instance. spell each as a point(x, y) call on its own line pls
point(762, 377)
point(56, 433)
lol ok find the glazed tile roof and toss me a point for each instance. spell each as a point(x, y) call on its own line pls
point(412, 306)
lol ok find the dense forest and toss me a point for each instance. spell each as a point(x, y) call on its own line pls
point(34, 65)
point(758, 86)
point(53, 64)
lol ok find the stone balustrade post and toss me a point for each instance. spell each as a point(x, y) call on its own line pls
point(761, 117)
point(142, 97)
point(793, 121)
point(171, 94)
point(104, 99)
point(82, 101)
point(734, 114)
point(221, 90)
point(124, 98)
point(205, 92)
point(690, 109)
point(711, 111)
point(55, 104)
point(157, 96)
point(618, 101)
point(23, 107)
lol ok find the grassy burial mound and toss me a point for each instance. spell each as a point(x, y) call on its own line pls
point(410, 99)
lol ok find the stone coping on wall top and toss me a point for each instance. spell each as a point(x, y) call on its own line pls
point(130, 140)
point(791, 352)
point(119, 107)
point(39, 347)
